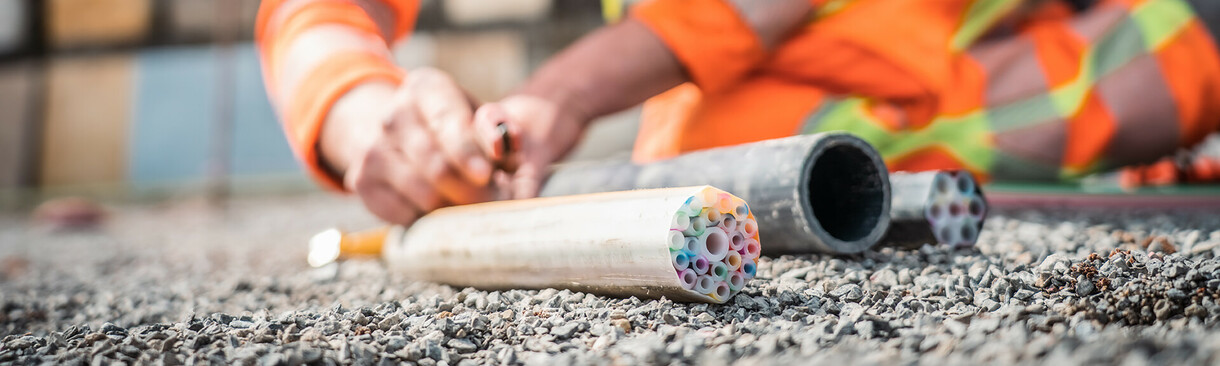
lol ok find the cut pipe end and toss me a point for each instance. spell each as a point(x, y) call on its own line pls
point(719, 252)
point(932, 207)
point(848, 194)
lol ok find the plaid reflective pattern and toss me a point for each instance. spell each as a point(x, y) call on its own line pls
point(1062, 93)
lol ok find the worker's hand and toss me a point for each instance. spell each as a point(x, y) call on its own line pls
point(426, 154)
point(542, 133)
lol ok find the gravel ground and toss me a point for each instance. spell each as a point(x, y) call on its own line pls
point(180, 283)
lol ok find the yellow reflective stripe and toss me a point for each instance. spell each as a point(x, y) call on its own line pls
point(830, 8)
point(967, 137)
point(981, 15)
point(850, 115)
point(1160, 20)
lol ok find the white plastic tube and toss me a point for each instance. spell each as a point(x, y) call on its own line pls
point(741, 210)
point(728, 223)
point(697, 225)
point(719, 270)
point(737, 241)
point(713, 217)
point(691, 245)
point(722, 289)
point(749, 227)
point(700, 264)
point(736, 281)
point(688, 278)
point(705, 284)
point(714, 244)
point(724, 203)
point(749, 268)
point(681, 221)
point(679, 260)
point(554, 242)
point(752, 248)
point(676, 240)
point(733, 260)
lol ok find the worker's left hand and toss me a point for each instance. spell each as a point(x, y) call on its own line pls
point(542, 132)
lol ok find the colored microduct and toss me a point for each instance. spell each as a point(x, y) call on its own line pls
point(687, 244)
point(719, 244)
point(935, 207)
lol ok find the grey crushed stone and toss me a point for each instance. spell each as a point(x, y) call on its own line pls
point(184, 284)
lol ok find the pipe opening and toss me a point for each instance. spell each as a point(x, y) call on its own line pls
point(717, 244)
point(688, 278)
point(935, 211)
point(749, 268)
point(680, 260)
point(733, 260)
point(713, 217)
point(725, 205)
point(681, 221)
point(691, 245)
point(942, 182)
point(706, 284)
point(965, 182)
point(737, 280)
point(729, 224)
point(955, 209)
point(753, 249)
point(701, 265)
point(722, 290)
point(967, 234)
point(676, 240)
point(750, 227)
point(846, 193)
point(976, 207)
point(738, 241)
point(697, 226)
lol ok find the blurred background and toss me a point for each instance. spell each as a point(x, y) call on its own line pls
point(153, 99)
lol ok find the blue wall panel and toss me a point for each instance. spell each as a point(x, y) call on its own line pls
point(259, 145)
point(175, 108)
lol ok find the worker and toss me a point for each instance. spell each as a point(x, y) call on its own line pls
point(1006, 89)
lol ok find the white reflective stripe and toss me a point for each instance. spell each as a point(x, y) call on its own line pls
point(315, 46)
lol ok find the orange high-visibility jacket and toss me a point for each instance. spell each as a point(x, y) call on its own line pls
point(1021, 89)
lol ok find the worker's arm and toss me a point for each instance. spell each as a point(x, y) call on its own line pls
point(622, 65)
point(402, 141)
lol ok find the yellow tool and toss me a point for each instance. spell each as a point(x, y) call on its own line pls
point(334, 244)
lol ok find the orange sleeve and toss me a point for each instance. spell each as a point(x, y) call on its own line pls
point(709, 37)
point(303, 109)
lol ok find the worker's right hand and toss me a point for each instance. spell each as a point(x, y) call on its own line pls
point(425, 153)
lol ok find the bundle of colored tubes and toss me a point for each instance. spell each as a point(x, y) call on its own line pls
point(935, 207)
point(686, 244)
point(713, 244)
